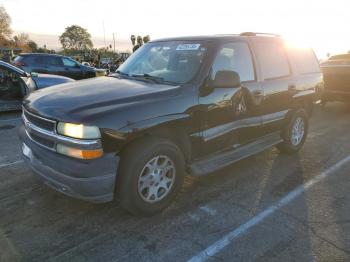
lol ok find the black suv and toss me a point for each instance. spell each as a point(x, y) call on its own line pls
point(181, 105)
point(54, 64)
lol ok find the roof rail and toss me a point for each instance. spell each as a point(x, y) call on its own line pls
point(257, 34)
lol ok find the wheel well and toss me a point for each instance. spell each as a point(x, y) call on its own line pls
point(176, 135)
point(306, 103)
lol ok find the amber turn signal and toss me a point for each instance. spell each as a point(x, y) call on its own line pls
point(79, 153)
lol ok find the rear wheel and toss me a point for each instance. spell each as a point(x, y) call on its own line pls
point(295, 132)
point(150, 176)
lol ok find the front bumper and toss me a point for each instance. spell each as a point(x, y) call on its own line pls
point(92, 180)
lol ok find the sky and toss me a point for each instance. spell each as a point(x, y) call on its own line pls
point(322, 25)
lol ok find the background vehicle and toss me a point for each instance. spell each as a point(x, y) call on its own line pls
point(336, 74)
point(193, 103)
point(16, 84)
point(57, 65)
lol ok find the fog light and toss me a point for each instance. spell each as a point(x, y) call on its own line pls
point(79, 153)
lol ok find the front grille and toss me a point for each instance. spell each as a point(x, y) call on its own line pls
point(39, 121)
point(42, 141)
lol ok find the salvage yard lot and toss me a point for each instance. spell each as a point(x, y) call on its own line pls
point(37, 223)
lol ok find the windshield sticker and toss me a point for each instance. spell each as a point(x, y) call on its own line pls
point(183, 47)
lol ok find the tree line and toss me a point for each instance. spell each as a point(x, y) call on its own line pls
point(74, 40)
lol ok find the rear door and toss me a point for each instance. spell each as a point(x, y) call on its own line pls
point(35, 63)
point(231, 115)
point(277, 81)
point(53, 64)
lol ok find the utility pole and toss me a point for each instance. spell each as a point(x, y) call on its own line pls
point(104, 34)
point(113, 43)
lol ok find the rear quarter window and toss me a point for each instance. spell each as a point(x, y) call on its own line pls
point(304, 60)
point(272, 59)
point(18, 58)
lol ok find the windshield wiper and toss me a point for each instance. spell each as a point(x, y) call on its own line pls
point(156, 79)
point(121, 73)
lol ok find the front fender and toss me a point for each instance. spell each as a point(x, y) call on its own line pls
point(114, 140)
point(153, 122)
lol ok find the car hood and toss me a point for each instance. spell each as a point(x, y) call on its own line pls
point(84, 100)
point(45, 80)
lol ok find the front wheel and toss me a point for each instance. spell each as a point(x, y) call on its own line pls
point(295, 132)
point(150, 175)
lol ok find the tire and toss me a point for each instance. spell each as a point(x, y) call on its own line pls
point(290, 144)
point(136, 183)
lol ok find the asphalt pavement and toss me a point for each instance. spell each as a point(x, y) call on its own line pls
point(269, 207)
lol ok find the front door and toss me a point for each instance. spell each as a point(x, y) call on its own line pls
point(12, 90)
point(71, 68)
point(230, 116)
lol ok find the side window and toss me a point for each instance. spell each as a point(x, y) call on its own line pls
point(273, 60)
point(68, 62)
point(235, 57)
point(52, 61)
point(33, 60)
point(304, 60)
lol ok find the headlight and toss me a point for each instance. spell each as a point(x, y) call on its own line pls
point(78, 131)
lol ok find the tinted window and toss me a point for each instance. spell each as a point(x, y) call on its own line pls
point(273, 60)
point(18, 58)
point(304, 60)
point(69, 62)
point(33, 60)
point(53, 61)
point(234, 57)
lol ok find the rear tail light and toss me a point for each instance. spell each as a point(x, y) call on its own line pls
point(19, 63)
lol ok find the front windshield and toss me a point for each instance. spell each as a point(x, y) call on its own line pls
point(173, 62)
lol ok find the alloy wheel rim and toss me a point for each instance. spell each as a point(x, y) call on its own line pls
point(156, 179)
point(298, 131)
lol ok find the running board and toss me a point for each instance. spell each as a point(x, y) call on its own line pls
point(220, 160)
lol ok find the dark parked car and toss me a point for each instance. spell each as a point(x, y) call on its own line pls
point(16, 84)
point(57, 65)
point(192, 104)
point(336, 74)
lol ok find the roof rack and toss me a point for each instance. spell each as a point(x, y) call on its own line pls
point(257, 34)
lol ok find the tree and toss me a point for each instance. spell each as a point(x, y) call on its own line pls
point(133, 40)
point(5, 24)
point(33, 46)
point(21, 40)
point(76, 38)
point(146, 39)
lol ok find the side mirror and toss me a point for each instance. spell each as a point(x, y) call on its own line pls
point(77, 66)
point(33, 74)
point(226, 79)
